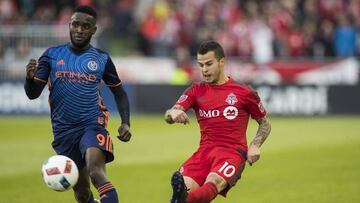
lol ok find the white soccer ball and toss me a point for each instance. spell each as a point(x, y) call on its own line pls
point(60, 173)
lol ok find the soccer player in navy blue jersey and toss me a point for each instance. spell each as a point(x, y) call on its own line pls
point(73, 72)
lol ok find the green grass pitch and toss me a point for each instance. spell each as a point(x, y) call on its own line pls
point(305, 160)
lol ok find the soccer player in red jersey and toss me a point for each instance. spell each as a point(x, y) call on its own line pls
point(222, 108)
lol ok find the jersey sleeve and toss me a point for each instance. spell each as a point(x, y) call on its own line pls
point(43, 69)
point(254, 106)
point(110, 76)
point(187, 99)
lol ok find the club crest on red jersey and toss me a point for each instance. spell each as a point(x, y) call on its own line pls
point(182, 98)
point(231, 99)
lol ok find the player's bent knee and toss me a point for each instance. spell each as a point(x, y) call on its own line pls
point(219, 181)
point(97, 175)
point(190, 183)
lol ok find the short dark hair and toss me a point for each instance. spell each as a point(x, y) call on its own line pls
point(207, 46)
point(86, 9)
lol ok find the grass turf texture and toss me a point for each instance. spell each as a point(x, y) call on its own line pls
point(304, 160)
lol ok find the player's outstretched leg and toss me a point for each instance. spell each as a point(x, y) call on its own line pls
point(179, 188)
point(95, 161)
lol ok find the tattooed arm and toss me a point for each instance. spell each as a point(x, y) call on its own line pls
point(176, 115)
point(261, 135)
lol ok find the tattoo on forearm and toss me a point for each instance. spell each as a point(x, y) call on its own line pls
point(262, 133)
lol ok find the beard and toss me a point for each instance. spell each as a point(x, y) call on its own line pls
point(80, 45)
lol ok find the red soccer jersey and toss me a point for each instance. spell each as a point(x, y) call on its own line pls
point(223, 112)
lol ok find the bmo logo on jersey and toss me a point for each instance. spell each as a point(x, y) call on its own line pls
point(209, 114)
point(230, 112)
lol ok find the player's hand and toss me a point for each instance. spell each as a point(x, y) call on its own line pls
point(253, 154)
point(30, 69)
point(177, 116)
point(124, 132)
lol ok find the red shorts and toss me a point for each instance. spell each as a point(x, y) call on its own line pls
point(228, 163)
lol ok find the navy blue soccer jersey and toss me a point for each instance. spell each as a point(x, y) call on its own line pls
point(74, 80)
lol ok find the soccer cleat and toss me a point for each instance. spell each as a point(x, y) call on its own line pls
point(179, 188)
point(96, 201)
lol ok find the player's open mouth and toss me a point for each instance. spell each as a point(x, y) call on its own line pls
point(207, 76)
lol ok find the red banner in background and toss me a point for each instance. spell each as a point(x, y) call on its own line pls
point(140, 70)
point(335, 72)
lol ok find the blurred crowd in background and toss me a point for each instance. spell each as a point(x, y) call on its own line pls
point(260, 30)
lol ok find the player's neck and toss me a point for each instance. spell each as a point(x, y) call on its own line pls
point(222, 80)
point(79, 49)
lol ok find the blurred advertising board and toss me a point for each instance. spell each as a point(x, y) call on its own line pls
point(284, 100)
point(300, 87)
point(295, 100)
point(287, 100)
point(13, 99)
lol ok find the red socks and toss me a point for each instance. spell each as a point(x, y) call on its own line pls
point(203, 194)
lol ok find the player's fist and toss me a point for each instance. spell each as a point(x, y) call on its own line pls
point(124, 132)
point(168, 118)
point(253, 154)
point(176, 116)
point(30, 69)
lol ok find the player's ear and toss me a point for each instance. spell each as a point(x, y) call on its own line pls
point(222, 61)
point(94, 29)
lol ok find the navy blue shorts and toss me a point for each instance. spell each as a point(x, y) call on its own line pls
point(93, 136)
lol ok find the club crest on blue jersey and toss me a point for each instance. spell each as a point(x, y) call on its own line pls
point(92, 65)
point(231, 99)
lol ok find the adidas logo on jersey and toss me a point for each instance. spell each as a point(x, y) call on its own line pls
point(61, 62)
